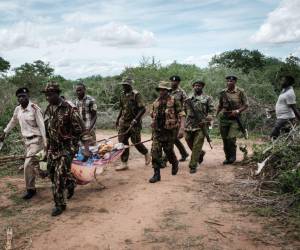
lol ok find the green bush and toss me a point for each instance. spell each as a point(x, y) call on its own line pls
point(290, 181)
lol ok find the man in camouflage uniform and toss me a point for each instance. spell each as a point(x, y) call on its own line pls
point(166, 115)
point(180, 95)
point(87, 108)
point(196, 127)
point(129, 122)
point(232, 103)
point(64, 129)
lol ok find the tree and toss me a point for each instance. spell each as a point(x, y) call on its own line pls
point(243, 59)
point(291, 66)
point(4, 65)
point(32, 75)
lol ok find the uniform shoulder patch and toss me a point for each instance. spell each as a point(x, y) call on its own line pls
point(240, 89)
point(35, 107)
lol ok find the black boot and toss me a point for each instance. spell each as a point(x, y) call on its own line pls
point(30, 193)
point(175, 169)
point(193, 170)
point(226, 162)
point(156, 176)
point(57, 210)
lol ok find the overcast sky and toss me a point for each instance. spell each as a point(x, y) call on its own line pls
point(85, 37)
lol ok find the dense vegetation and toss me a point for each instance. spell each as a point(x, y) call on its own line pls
point(258, 75)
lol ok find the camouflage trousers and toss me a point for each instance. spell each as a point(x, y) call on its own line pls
point(159, 146)
point(135, 135)
point(59, 169)
point(180, 147)
point(195, 141)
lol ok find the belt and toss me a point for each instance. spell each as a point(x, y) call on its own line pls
point(31, 137)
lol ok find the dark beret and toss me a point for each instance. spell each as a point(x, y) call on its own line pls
point(23, 90)
point(175, 78)
point(233, 78)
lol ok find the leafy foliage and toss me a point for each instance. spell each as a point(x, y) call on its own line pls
point(243, 59)
point(32, 75)
point(4, 65)
point(283, 162)
point(260, 83)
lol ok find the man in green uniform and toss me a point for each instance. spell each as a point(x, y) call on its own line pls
point(64, 129)
point(180, 95)
point(199, 108)
point(129, 122)
point(232, 103)
point(167, 124)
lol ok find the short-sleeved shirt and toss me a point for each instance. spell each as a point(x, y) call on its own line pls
point(203, 105)
point(236, 97)
point(130, 104)
point(86, 107)
point(283, 110)
point(179, 94)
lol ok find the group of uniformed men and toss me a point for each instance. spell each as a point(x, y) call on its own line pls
point(174, 115)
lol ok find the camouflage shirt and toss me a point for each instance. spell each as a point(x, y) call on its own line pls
point(130, 104)
point(179, 94)
point(237, 98)
point(64, 128)
point(166, 114)
point(203, 105)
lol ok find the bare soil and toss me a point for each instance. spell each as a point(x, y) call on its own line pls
point(180, 212)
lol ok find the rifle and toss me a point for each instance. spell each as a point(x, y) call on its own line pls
point(237, 118)
point(198, 121)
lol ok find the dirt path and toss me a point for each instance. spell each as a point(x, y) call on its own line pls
point(180, 212)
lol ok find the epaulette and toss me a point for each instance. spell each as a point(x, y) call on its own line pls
point(181, 89)
point(35, 107)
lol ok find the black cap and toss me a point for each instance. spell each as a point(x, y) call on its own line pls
point(175, 78)
point(23, 90)
point(233, 78)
